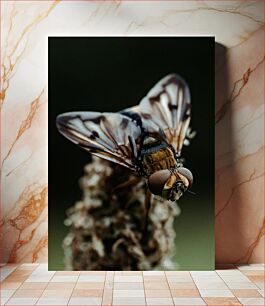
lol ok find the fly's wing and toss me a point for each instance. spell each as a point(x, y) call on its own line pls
point(111, 136)
point(167, 106)
point(148, 126)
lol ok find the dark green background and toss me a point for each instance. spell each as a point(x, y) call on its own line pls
point(110, 74)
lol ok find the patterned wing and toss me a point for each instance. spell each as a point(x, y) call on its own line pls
point(167, 106)
point(146, 125)
point(111, 136)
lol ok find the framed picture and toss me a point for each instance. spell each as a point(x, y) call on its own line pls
point(133, 189)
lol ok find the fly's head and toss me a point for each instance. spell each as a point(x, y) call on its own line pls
point(170, 184)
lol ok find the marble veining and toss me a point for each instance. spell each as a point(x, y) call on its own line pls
point(238, 26)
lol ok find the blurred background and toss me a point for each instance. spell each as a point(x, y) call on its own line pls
point(110, 74)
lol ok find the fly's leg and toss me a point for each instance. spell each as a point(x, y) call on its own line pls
point(130, 182)
point(139, 161)
point(147, 203)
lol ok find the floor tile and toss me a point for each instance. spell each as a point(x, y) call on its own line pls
point(237, 285)
point(3, 300)
point(179, 279)
point(159, 301)
point(232, 272)
point(56, 294)
point(53, 301)
point(38, 279)
point(87, 293)
point(256, 278)
point(109, 285)
point(251, 267)
point(155, 278)
point(28, 284)
point(60, 286)
point(128, 279)
point(43, 266)
point(215, 301)
point(107, 297)
point(182, 286)
point(41, 272)
point(6, 293)
point(260, 285)
point(20, 272)
point(85, 301)
point(33, 286)
point(6, 271)
point(67, 273)
point(9, 265)
point(235, 278)
point(89, 285)
point(109, 274)
point(128, 293)
point(25, 293)
point(188, 301)
point(128, 273)
point(29, 266)
point(216, 293)
point(16, 278)
point(210, 278)
point(203, 273)
point(253, 272)
point(251, 301)
point(64, 279)
point(156, 285)
point(132, 286)
point(246, 293)
point(10, 285)
point(211, 285)
point(22, 301)
point(261, 292)
point(149, 293)
point(131, 301)
point(185, 293)
point(91, 278)
point(109, 280)
point(94, 272)
point(177, 273)
point(152, 273)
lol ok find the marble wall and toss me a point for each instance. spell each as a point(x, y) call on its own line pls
point(238, 28)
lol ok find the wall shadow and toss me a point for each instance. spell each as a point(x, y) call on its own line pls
point(224, 160)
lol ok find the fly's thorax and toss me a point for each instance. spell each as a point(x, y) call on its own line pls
point(156, 156)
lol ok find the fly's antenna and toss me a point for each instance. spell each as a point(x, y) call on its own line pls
point(191, 192)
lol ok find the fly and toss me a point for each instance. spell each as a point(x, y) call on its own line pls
point(147, 138)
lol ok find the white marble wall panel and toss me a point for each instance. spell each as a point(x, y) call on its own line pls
point(237, 25)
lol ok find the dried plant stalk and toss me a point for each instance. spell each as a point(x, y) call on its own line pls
point(107, 228)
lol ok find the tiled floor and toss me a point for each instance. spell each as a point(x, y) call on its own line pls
point(33, 284)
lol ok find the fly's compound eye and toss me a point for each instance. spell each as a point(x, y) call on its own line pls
point(157, 181)
point(187, 174)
